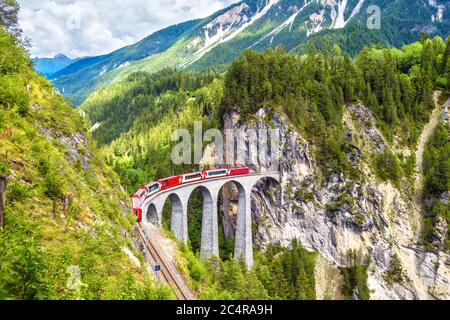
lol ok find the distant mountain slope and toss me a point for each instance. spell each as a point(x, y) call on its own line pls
point(79, 79)
point(401, 22)
point(49, 66)
point(258, 24)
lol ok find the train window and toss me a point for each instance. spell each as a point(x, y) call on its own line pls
point(216, 173)
point(193, 176)
point(153, 187)
point(142, 194)
point(166, 182)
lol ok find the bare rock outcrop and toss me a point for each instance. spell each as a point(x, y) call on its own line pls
point(335, 214)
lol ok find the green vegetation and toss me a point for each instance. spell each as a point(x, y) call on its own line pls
point(278, 273)
point(355, 277)
point(437, 161)
point(387, 167)
point(195, 212)
point(151, 96)
point(397, 86)
point(395, 273)
point(63, 208)
point(139, 147)
point(437, 183)
point(312, 90)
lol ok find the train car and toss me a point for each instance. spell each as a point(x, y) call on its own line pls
point(171, 182)
point(138, 214)
point(136, 206)
point(152, 188)
point(239, 171)
point(216, 173)
point(137, 199)
point(192, 177)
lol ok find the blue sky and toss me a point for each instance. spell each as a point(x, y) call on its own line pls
point(92, 27)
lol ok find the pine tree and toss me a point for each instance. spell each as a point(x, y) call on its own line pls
point(446, 56)
point(9, 17)
point(304, 289)
point(389, 108)
point(233, 279)
point(279, 287)
point(253, 288)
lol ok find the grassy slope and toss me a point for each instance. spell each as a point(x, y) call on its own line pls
point(64, 206)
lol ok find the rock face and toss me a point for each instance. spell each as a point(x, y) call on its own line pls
point(77, 148)
point(333, 215)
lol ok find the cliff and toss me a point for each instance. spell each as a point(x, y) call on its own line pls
point(336, 214)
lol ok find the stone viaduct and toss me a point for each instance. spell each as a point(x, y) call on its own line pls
point(179, 196)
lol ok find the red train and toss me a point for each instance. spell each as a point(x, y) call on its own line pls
point(171, 182)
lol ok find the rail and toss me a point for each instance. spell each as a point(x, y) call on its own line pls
point(167, 271)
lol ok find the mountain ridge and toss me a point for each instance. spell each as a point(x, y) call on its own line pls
point(48, 66)
point(90, 69)
point(259, 24)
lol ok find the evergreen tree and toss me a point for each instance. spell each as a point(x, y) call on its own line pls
point(446, 56)
point(304, 289)
point(9, 17)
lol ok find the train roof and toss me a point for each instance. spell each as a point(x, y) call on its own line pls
point(176, 176)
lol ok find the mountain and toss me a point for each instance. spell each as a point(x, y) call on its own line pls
point(49, 66)
point(363, 207)
point(258, 24)
point(80, 78)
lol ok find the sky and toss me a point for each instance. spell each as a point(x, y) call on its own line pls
point(79, 28)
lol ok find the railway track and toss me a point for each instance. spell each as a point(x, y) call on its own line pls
point(167, 270)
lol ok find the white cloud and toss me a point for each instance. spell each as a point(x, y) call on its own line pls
point(92, 27)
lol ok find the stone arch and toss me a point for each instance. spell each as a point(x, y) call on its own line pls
point(268, 182)
point(209, 222)
point(178, 221)
point(152, 215)
point(243, 241)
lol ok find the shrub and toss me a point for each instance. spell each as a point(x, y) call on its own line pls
point(17, 192)
point(355, 277)
point(394, 274)
point(387, 167)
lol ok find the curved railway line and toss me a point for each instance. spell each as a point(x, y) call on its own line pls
point(179, 286)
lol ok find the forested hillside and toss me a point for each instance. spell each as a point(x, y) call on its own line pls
point(85, 75)
point(314, 91)
point(396, 84)
point(67, 219)
point(437, 186)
